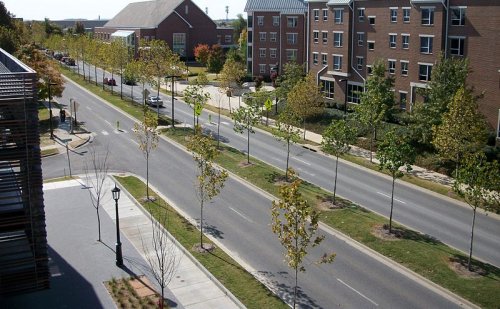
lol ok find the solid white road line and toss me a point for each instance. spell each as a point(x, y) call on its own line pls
point(241, 215)
point(386, 195)
point(306, 163)
point(358, 292)
point(104, 132)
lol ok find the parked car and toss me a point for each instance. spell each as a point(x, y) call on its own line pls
point(110, 81)
point(130, 82)
point(154, 100)
point(68, 61)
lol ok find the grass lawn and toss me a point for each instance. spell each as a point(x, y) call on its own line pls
point(424, 255)
point(242, 284)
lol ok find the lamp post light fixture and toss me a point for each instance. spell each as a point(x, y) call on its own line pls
point(345, 96)
point(116, 196)
point(50, 110)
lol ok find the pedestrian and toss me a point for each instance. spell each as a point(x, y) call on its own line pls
point(62, 115)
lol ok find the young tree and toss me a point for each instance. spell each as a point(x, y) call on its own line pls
point(474, 184)
point(96, 172)
point(337, 138)
point(376, 101)
point(215, 59)
point(239, 25)
point(131, 75)
point(296, 224)
point(245, 118)
point(161, 253)
point(230, 76)
point(292, 74)
point(287, 132)
point(210, 180)
point(196, 98)
point(394, 152)
point(201, 53)
point(306, 100)
point(463, 129)
point(147, 136)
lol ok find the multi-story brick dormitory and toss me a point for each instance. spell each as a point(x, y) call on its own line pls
point(345, 37)
point(23, 238)
point(180, 23)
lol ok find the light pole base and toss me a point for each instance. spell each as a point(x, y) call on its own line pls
point(119, 258)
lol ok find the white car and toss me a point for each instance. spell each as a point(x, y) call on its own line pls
point(154, 100)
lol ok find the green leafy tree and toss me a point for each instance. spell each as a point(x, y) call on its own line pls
point(230, 76)
point(448, 76)
point(239, 25)
point(292, 74)
point(196, 98)
point(215, 60)
point(118, 59)
point(287, 132)
point(474, 184)
point(306, 100)
point(79, 28)
point(337, 138)
point(131, 74)
point(394, 153)
point(463, 129)
point(147, 137)
point(245, 118)
point(210, 180)
point(376, 102)
point(296, 225)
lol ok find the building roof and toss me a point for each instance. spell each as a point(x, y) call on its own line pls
point(88, 24)
point(146, 14)
point(122, 33)
point(282, 6)
point(339, 2)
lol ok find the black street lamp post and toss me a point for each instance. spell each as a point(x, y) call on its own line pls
point(172, 76)
point(50, 110)
point(345, 96)
point(119, 258)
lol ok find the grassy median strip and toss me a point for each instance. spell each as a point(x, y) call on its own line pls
point(420, 253)
point(242, 284)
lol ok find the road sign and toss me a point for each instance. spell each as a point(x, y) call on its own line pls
point(198, 108)
point(268, 104)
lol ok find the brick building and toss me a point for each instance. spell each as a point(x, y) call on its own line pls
point(276, 34)
point(23, 238)
point(345, 37)
point(180, 23)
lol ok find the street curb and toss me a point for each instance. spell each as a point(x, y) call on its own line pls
point(180, 246)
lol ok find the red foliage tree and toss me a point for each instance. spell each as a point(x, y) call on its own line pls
point(201, 53)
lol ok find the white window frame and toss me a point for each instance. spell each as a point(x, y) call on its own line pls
point(273, 52)
point(460, 21)
point(403, 107)
point(316, 14)
point(361, 38)
point(337, 66)
point(276, 21)
point(262, 53)
point(359, 63)
point(391, 66)
point(338, 38)
point(325, 14)
point(228, 38)
point(368, 44)
point(406, 17)
point(407, 65)
point(407, 43)
point(262, 36)
point(292, 38)
point(292, 21)
point(428, 20)
point(324, 59)
point(262, 68)
point(369, 69)
point(393, 38)
point(427, 75)
point(260, 20)
point(273, 36)
point(393, 14)
point(338, 19)
point(461, 46)
point(324, 37)
point(370, 19)
point(426, 48)
point(291, 54)
point(316, 36)
point(328, 94)
point(315, 58)
point(361, 15)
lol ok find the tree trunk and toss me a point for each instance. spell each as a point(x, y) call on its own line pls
point(296, 264)
point(304, 123)
point(371, 146)
point(98, 222)
point(335, 182)
point(121, 83)
point(95, 74)
point(147, 177)
point(392, 204)
point(112, 78)
point(469, 263)
point(248, 142)
point(287, 158)
point(201, 220)
point(157, 105)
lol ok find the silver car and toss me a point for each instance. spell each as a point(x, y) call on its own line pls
point(154, 100)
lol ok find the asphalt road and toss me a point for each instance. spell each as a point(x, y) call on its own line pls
point(444, 219)
point(240, 219)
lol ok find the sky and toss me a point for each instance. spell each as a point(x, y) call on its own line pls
point(106, 9)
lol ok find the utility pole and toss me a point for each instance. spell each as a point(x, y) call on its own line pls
point(227, 13)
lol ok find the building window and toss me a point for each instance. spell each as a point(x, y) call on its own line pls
point(273, 36)
point(292, 22)
point(315, 36)
point(402, 100)
point(359, 63)
point(371, 45)
point(369, 70)
point(406, 41)
point(327, 88)
point(338, 16)
point(427, 16)
point(337, 39)
point(361, 15)
point(354, 93)
point(458, 16)
point(361, 38)
point(249, 52)
point(325, 14)
point(426, 44)
point(262, 68)
point(276, 21)
point(392, 40)
point(371, 20)
point(457, 46)
point(424, 72)
point(404, 68)
point(392, 66)
point(179, 44)
point(337, 63)
point(291, 55)
point(315, 58)
point(262, 36)
point(324, 59)
point(316, 14)
point(394, 15)
point(291, 38)
point(260, 20)
point(228, 38)
point(406, 15)
point(250, 22)
point(272, 52)
point(262, 52)
point(325, 37)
